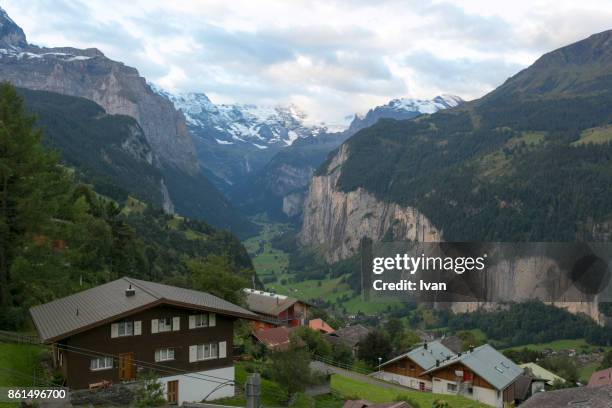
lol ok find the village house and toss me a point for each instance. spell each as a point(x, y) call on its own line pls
point(542, 377)
point(320, 325)
point(407, 369)
point(276, 310)
point(113, 332)
point(482, 374)
point(273, 339)
point(350, 336)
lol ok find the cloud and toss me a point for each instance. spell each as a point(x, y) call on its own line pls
point(331, 57)
point(462, 76)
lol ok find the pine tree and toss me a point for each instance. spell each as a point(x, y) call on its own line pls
point(30, 180)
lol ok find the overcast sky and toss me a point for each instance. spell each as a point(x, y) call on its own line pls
point(331, 58)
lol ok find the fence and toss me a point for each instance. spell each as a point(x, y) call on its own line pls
point(348, 367)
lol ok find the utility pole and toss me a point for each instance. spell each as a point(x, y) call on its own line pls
point(252, 391)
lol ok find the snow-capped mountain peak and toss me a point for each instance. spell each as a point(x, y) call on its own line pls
point(259, 126)
point(403, 108)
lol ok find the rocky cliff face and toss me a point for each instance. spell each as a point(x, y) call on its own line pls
point(117, 88)
point(337, 221)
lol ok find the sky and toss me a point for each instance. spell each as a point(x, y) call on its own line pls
point(331, 58)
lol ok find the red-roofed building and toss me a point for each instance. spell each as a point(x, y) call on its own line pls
point(320, 325)
point(277, 338)
point(601, 378)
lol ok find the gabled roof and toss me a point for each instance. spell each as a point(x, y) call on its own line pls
point(350, 335)
point(90, 308)
point(601, 378)
point(488, 363)
point(425, 356)
point(320, 325)
point(579, 397)
point(542, 373)
point(266, 303)
point(277, 338)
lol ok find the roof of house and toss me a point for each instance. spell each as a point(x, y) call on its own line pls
point(579, 397)
point(320, 325)
point(488, 363)
point(368, 404)
point(425, 355)
point(277, 338)
point(350, 335)
point(90, 308)
point(267, 303)
point(542, 373)
point(601, 378)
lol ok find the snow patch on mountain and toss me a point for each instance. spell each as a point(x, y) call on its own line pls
point(259, 126)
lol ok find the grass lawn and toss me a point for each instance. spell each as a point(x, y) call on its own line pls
point(586, 371)
point(18, 366)
point(267, 260)
point(350, 388)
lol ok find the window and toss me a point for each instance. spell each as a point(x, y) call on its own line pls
point(165, 354)
point(201, 320)
point(206, 351)
point(101, 363)
point(125, 329)
point(450, 387)
point(165, 324)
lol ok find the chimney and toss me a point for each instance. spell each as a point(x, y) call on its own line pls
point(130, 291)
point(471, 349)
point(437, 363)
point(425, 346)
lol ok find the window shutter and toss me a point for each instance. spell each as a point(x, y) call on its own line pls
point(193, 353)
point(223, 349)
point(192, 321)
point(176, 323)
point(154, 326)
point(156, 355)
point(137, 328)
point(212, 320)
point(114, 330)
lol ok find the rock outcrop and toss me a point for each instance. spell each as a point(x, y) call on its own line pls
point(336, 221)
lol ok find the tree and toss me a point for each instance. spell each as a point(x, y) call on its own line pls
point(395, 329)
point(341, 353)
point(314, 341)
point(217, 276)
point(607, 361)
point(373, 346)
point(150, 392)
point(291, 369)
point(408, 339)
point(29, 181)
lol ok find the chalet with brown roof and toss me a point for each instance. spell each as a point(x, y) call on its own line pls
point(276, 310)
point(110, 333)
